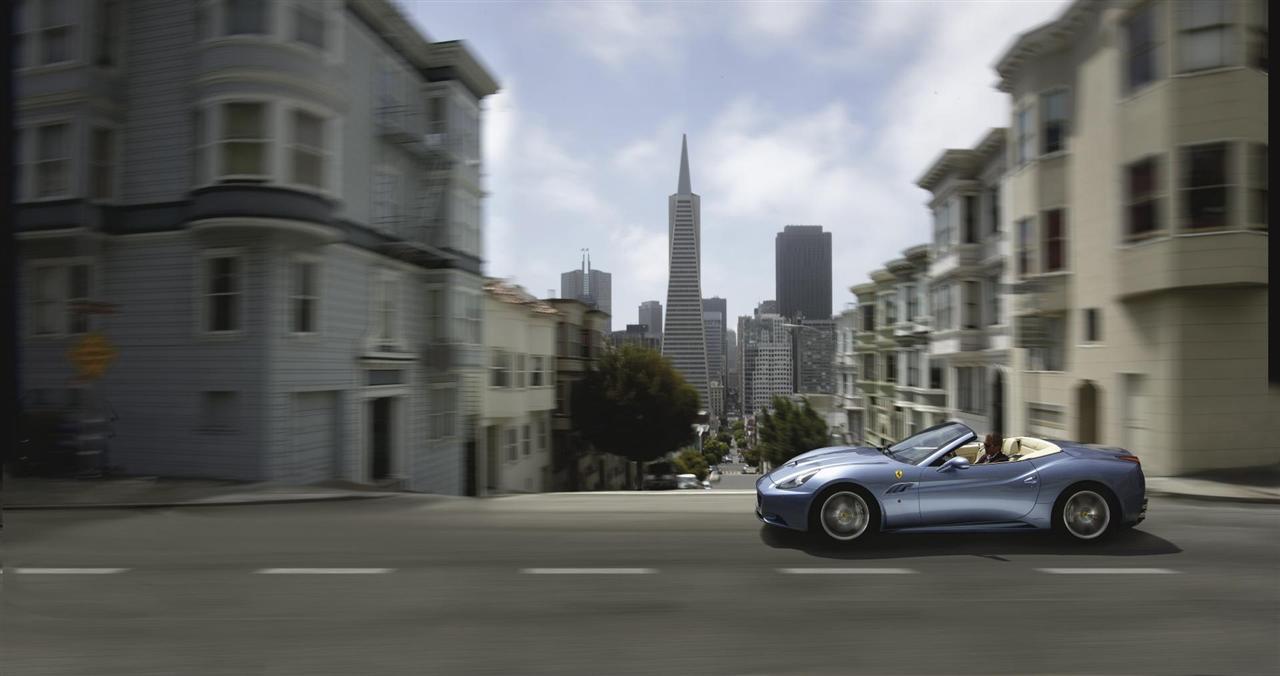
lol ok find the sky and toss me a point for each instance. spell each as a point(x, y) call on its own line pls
point(796, 112)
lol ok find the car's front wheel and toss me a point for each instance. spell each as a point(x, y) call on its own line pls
point(1084, 513)
point(846, 514)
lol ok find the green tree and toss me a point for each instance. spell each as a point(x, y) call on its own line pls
point(739, 426)
point(632, 403)
point(789, 431)
point(751, 456)
point(714, 451)
point(690, 461)
point(724, 437)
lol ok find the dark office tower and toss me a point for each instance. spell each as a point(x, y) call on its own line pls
point(683, 338)
point(803, 272)
point(651, 316)
point(717, 344)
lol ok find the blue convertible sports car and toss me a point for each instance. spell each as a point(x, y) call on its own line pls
point(929, 482)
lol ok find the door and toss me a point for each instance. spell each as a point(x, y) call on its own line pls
point(491, 465)
point(1087, 413)
point(1134, 421)
point(994, 493)
point(380, 438)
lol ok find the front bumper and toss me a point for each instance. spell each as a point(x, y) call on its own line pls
point(782, 508)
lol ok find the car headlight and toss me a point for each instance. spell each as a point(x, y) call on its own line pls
point(795, 481)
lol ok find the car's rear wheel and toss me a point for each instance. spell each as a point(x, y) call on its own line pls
point(846, 514)
point(1085, 512)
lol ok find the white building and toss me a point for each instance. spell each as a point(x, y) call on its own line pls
point(766, 360)
point(847, 398)
point(515, 428)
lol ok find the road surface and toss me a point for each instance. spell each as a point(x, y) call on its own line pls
point(678, 582)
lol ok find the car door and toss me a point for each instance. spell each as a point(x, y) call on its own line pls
point(987, 493)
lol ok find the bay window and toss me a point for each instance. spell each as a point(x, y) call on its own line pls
point(308, 150)
point(1025, 247)
point(1205, 185)
point(1024, 136)
point(222, 292)
point(243, 141)
point(1053, 109)
point(245, 17)
point(1055, 240)
point(309, 24)
point(304, 296)
point(53, 160)
point(1206, 37)
point(1143, 196)
point(1142, 48)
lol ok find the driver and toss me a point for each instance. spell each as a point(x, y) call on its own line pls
point(992, 450)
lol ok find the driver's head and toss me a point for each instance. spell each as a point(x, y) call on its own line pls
point(993, 443)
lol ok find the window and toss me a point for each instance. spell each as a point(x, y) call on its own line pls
point(1258, 35)
point(245, 17)
point(443, 412)
point(304, 296)
point(387, 310)
point(1025, 136)
point(308, 150)
point(106, 42)
point(1055, 240)
point(1258, 185)
point(868, 318)
point(498, 368)
point(1140, 60)
point(1053, 108)
point(1025, 247)
point(890, 310)
point(528, 439)
point(519, 372)
point(308, 24)
point(972, 304)
point(219, 412)
point(869, 367)
point(942, 306)
point(513, 444)
point(1048, 355)
point(78, 285)
point(435, 315)
point(970, 219)
point(45, 300)
point(222, 293)
point(243, 140)
point(964, 389)
point(386, 196)
point(936, 381)
point(470, 317)
point(56, 43)
point(1044, 414)
point(102, 163)
point(1205, 35)
point(913, 369)
point(535, 371)
point(891, 368)
point(913, 309)
point(1092, 325)
point(1204, 185)
point(942, 227)
point(993, 202)
point(993, 300)
point(53, 160)
point(1143, 200)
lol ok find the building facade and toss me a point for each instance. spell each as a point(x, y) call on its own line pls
point(967, 276)
point(814, 347)
point(283, 205)
point(514, 434)
point(847, 397)
point(591, 286)
point(684, 340)
point(803, 272)
point(1137, 202)
point(651, 316)
point(765, 342)
point(717, 341)
point(636, 334)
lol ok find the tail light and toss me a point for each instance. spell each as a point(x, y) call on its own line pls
point(1129, 458)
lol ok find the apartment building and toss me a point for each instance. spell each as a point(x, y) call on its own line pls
point(1137, 198)
point(514, 433)
point(901, 386)
point(969, 337)
point(581, 338)
point(847, 397)
point(281, 202)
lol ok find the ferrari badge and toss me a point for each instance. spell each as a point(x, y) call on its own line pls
point(897, 474)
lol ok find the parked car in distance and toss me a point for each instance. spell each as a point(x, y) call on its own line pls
point(660, 475)
point(685, 481)
point(748, 469)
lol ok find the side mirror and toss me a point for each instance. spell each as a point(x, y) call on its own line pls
point(957, 462)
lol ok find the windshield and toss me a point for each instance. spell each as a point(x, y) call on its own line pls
point(919, 446)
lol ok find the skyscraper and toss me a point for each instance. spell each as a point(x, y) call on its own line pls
point(713, 327)
point(718, 367)
point(593, 287)
point(802, 272)
point(651, 316)
point(765, 343)
point(683, 338)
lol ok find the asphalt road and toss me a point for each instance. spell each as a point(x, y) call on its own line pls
point(678, 582)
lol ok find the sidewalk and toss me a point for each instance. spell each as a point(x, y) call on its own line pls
point(33, 493)
point(1253, 485)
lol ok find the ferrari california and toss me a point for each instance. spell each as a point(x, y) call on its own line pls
point(931, 482)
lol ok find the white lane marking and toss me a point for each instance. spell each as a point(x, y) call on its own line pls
point(846, 571)
point(588, 571)
point(323, 571)
point(69, 571)
point(1107, 571)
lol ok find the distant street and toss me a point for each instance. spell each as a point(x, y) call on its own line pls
point(679, 582)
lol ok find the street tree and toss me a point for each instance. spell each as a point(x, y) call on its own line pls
point(714, 451)
point(789, 430)
point(633, 403)
point(751, 456)
point(690, 461)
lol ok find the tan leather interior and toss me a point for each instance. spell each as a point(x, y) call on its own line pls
point(970, 451)
point(1023, 448)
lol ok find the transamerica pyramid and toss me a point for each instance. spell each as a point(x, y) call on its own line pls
point(683, 339)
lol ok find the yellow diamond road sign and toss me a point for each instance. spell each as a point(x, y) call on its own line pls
point(92, 355)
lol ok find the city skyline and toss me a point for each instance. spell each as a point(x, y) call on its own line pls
point(778, 141)
point(683, 331)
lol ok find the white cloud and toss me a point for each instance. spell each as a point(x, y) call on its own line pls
point(777, 19)
point(615, 31)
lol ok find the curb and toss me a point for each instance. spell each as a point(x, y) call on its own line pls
point(167, 505)
point(1217, 498)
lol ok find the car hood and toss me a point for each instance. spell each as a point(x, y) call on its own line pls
point(829, 457)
